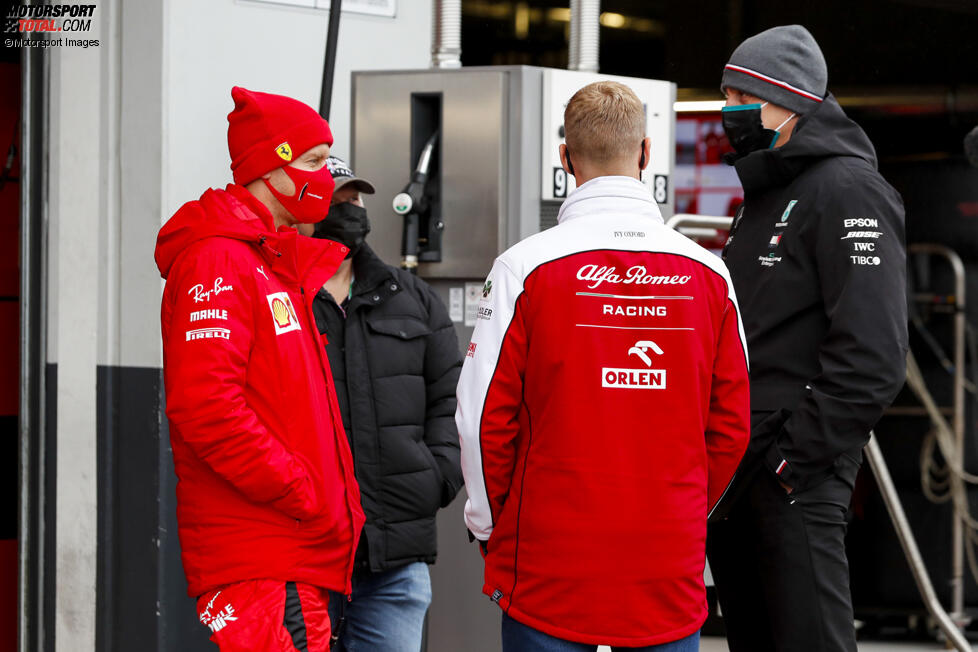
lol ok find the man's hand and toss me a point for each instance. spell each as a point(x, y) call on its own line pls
point(786, 488)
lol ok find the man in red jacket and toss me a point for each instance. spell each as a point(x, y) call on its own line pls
point(267, 504)
point(603, 407)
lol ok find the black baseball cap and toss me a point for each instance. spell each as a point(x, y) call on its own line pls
point(343, 175)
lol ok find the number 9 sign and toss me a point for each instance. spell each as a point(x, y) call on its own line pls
point(560, 182)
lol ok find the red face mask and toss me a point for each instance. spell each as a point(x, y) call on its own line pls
point(313, 192)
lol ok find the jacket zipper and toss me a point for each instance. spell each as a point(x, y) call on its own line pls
point(346, 479)
point(346, 314)
point(310, 315)
point(738, 218)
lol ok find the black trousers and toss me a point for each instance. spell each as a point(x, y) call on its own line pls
point(780, 568)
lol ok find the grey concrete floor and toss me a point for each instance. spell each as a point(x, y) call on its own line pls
point(716, 644)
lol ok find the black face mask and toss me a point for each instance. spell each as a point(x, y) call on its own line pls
point(746, 132)
point(347, 224)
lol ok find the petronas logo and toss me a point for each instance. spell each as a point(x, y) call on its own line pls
point(787, 211)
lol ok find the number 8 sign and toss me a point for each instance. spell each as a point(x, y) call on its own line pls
point(660, 188)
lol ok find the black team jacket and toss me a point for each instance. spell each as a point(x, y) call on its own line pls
point(395, 362)
point(818, 261)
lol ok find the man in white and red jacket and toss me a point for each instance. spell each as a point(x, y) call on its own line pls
point(603, 407)
point(267, 504)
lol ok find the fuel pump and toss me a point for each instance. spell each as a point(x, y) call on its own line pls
point(421, 235)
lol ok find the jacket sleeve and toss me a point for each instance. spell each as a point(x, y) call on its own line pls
point(490, 394)
point(728, 425)
point(442, 363)
point(208, 338)
point(861, 260)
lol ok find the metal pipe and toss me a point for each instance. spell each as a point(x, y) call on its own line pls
point(329, 65)
point(909, 545)
point(425, 159)
point(698, 233)
point(25, 542)
point(43, 109)
point(957, 527)
point(573, 40)
point(704, 221)
point(33, 338)
point(446, 34)
point(585, 33)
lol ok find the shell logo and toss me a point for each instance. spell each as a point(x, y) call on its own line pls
point(280, 312)
point(283, 312)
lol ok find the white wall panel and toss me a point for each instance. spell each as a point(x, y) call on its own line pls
point(215, 45)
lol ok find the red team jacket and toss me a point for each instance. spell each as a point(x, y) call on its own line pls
point(266, 487)
point(603, 408)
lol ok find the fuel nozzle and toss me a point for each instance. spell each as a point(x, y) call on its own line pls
point(412, 204)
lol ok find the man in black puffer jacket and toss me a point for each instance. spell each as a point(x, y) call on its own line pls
point(395, 361)
point(817, 257)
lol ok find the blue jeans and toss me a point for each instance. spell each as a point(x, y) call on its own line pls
point(386, 612)
point(518, 637)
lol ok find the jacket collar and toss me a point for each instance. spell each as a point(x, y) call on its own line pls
point(609, 195)
point(307, 262)
point(374, 281)
point(825, 132)
point(369, 271)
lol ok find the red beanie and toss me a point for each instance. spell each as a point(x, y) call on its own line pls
point(268, 131)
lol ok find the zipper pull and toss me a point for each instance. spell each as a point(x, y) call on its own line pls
point(733, 228)
point(739, 215)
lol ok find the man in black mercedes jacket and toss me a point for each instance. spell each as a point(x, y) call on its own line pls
point(817, 258)
point(395, 361)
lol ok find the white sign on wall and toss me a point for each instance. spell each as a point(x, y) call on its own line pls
point(658, 98)
point(456, 303)
point(371, 7)
point(473, 293)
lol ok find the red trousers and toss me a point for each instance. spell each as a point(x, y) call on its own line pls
point(267, 615)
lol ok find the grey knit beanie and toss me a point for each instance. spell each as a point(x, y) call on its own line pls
point(782, 65)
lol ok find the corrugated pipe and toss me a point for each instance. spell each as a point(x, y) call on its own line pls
point(446, 34)
point(585, 29)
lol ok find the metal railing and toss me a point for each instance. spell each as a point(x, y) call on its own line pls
point(957, 417)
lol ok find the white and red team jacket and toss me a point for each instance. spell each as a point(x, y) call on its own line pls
point(603, 408)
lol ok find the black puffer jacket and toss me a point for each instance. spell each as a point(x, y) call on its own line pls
point(395, 362)
point(818, 260)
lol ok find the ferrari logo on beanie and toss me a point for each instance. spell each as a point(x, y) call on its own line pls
point(284, 152)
